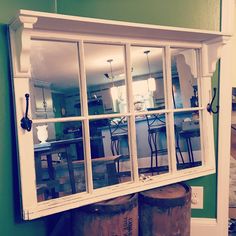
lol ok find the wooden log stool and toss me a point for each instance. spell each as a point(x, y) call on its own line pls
point(118, 216)
point(165, 211)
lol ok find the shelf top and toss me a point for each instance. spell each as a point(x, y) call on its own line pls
point(85, 25)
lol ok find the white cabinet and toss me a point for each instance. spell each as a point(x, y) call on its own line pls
point(43, 99)
point(107, 101)
point(42, 108)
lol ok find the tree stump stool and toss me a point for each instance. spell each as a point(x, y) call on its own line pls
point(165, 211)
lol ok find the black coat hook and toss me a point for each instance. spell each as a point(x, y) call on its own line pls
point(209, 105)
point(26, 123)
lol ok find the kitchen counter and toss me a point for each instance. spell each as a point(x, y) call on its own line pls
point(142, 135)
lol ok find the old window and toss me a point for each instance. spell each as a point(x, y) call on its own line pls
point(116, 108)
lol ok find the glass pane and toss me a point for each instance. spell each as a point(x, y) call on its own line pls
point(54, 79)
point(105, 76)
point(110, 151)
point(152, 145)
point(59, 159)
point(187, 139)
point(148, 78)
point(184, 78)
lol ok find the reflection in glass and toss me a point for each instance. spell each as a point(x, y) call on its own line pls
point(54, 79)
point(148, 82)
point(59, 159)
point(152, 144)
point(188, 136)
point(110, 157)
point(184, 78)
point(105, 76)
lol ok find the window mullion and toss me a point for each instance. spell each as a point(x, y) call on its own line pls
point(84, 109)
point(200, 102)
point(199, 79)
point(132, 128)
point(170, 131)
point(206, 119)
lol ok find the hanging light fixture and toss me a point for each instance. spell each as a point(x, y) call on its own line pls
point(114, 92)
point(151, 81)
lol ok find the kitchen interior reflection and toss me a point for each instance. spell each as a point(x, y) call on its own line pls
point(55, 93)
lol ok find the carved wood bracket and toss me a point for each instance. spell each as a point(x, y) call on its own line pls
point(21, 31)
point(211, 53)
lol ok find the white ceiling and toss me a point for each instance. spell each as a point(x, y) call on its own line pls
point(57, 62)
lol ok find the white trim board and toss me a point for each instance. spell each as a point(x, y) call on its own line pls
point(224, 121)
point(219, 226)
point(204, 226)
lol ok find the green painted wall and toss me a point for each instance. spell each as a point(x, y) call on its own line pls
point(202, 14)
point(185, 13)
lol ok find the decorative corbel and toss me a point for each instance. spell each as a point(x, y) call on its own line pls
point(21, 29)
point(211, 53)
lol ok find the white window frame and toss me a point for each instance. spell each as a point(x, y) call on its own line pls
point(30, 25)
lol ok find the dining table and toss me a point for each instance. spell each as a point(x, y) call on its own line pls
point(45, 152)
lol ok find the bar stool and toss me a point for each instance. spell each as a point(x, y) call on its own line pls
point(119, 133)
point(156, 129)
point(187, 135)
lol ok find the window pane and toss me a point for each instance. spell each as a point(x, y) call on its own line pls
point(184, 78)
point(54, 79)
point(148, 78)
point(187, 136)
point(151, 145)
point(59, 159)
point(110, 151)
point(105, 76)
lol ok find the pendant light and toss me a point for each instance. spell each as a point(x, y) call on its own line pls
point(113, 89)
point(151, 81)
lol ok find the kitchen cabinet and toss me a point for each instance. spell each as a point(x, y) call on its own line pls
point(105, 96)
point(72, 104)
point(99, 103)
point(42, 107)
point(107, 101)
point(43, 99)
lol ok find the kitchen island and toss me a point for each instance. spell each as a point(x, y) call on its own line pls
point(188, 137)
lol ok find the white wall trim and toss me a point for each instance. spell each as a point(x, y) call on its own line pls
point(203, 226)
point(227, 16)
point(224, 142)
point(219, 226)
point(227, 24)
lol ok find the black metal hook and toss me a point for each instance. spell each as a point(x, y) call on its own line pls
point(209, 105)
point(26, 123)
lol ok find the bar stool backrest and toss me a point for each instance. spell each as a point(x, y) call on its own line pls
point(118, 128)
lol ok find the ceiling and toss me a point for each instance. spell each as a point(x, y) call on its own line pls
point(57, 62)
